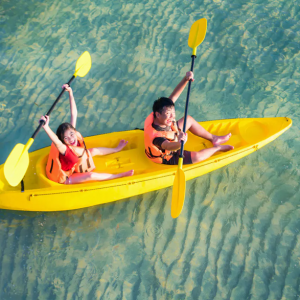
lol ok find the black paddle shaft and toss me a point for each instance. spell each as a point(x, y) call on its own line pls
point(187, 105)
point(50, 110)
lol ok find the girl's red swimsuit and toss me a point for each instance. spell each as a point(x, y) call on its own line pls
point(68, 160)
point(78, 157)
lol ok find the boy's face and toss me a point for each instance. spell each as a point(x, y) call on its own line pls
point(166, 117)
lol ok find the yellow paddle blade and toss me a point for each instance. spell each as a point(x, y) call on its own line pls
point(197, 34)
point(83, 64)
point(178, 193)
point(17, 163)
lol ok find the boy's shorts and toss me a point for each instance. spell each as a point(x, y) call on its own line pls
point(187, 158)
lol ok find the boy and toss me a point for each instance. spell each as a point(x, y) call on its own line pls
point(162, 138)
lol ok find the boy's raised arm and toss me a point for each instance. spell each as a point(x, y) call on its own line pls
point(181, 85)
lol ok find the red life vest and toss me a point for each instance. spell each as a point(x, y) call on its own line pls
point(85, 162)
point(153, 152)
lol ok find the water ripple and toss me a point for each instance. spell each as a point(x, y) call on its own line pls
point(238, 236)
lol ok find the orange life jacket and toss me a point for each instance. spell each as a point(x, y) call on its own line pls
point(152, 152)
point(85, 162)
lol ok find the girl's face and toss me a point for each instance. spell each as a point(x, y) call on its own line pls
point(70, 137)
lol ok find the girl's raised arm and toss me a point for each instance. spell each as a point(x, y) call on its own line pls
point(61, 147)
point(73, 107)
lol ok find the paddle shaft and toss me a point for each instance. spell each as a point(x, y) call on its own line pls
point(187, 105)
point(50, 110)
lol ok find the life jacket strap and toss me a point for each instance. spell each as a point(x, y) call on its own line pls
point(150, 155)
point(51, 166)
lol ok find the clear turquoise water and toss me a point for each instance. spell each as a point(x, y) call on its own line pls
point(238, 236)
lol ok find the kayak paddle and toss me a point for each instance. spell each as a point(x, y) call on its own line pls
point(17, 162)
point(196, 37)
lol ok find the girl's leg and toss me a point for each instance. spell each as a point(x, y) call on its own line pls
point(194, 127)
point(102, 151)
point(206, 153)
point(106, 151)
point(93, 176)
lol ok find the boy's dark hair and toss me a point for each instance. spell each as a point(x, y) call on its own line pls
point(160, 103)
point(61, 130)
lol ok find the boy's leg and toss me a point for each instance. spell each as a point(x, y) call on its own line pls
point(206, 153)
point(192, 157)
point(194, 127)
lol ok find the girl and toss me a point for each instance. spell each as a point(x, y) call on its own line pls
point(69, 160)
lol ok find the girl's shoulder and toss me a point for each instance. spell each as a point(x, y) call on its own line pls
point(78, 134)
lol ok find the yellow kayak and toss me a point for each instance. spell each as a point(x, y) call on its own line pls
point(41, 194)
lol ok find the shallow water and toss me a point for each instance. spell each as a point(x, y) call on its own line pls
point(238, 235)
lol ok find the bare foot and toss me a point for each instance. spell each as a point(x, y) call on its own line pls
point(225, 148)
point(121, 145)
point(128, 173)
point(218, 140)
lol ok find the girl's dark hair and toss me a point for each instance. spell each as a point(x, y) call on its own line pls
point(160, 103)
point(61, 130)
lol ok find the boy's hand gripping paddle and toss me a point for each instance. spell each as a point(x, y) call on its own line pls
point(17, 162)
point(196, 37)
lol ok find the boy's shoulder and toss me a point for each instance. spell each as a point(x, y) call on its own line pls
point(149, 120)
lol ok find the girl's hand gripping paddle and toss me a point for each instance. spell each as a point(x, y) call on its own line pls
point(17, 162)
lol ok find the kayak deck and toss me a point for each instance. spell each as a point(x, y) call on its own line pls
point(248, 135)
